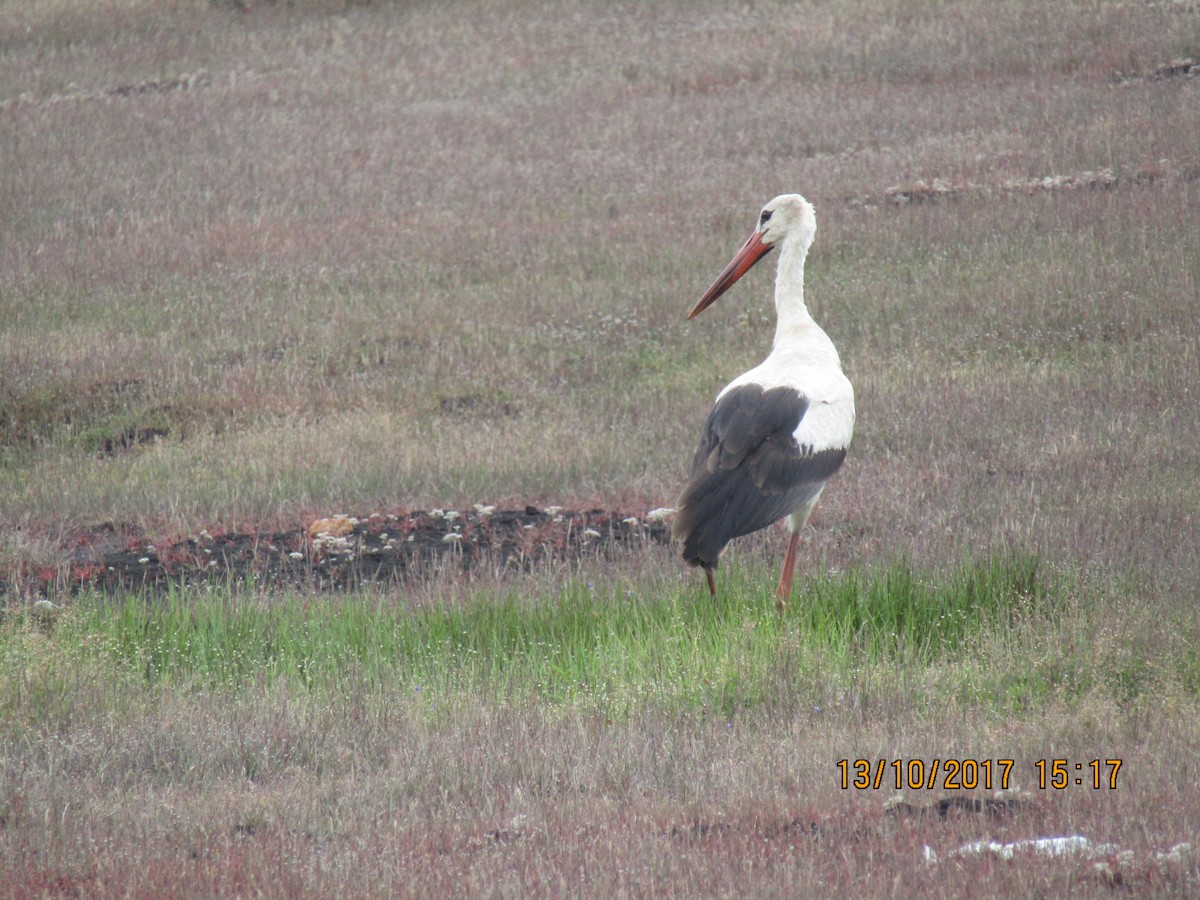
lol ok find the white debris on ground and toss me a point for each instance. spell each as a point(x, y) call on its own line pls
point(339, 550)
point(1184, 67)
point(187, 81)
point(1109, 862)
point(1048, 846)
point(333, 544)
point(922, 191)
point(339, 535)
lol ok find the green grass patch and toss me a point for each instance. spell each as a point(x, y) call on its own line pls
point(611, 649)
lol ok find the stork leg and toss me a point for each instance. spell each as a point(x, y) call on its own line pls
point(784, 591)
point(712, 582)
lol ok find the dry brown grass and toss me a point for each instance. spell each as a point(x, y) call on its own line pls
point(365, 795)
point(264, 260)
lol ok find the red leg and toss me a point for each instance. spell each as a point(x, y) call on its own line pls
point(712, 582)
point(784, 591)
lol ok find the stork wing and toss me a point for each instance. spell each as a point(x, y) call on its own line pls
point(748, 471)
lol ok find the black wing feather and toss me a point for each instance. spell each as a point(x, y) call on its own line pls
point(748, 471)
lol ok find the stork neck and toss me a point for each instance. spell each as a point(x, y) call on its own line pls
point(791, 313)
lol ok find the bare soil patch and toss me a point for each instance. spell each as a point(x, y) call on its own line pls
point(339, 552)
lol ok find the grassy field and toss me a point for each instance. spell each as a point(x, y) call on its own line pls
point(261, 262)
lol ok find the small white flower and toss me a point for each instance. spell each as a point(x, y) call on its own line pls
point(296, 554)
point(436, 513)
point(145, 560)
point(553, 510)
point(452, 515)
point(660, 514)
point(591, 533)
point(632, 520)
point(44, 610)
point(452, 538)
point(484, 510)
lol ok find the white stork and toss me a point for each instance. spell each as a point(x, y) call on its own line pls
point(777, 433)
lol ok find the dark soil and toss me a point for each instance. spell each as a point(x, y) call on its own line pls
point(338, 553)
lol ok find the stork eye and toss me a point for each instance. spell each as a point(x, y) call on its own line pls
point(764, 218)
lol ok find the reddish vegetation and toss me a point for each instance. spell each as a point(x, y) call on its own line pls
point(341, 552)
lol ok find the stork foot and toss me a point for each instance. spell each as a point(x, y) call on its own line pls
point(712, 582)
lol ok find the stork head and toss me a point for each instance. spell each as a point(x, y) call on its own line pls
point(789, 218)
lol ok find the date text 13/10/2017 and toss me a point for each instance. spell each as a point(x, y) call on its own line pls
point(954, 774)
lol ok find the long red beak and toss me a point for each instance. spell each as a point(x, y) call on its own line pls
point(752, 251)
